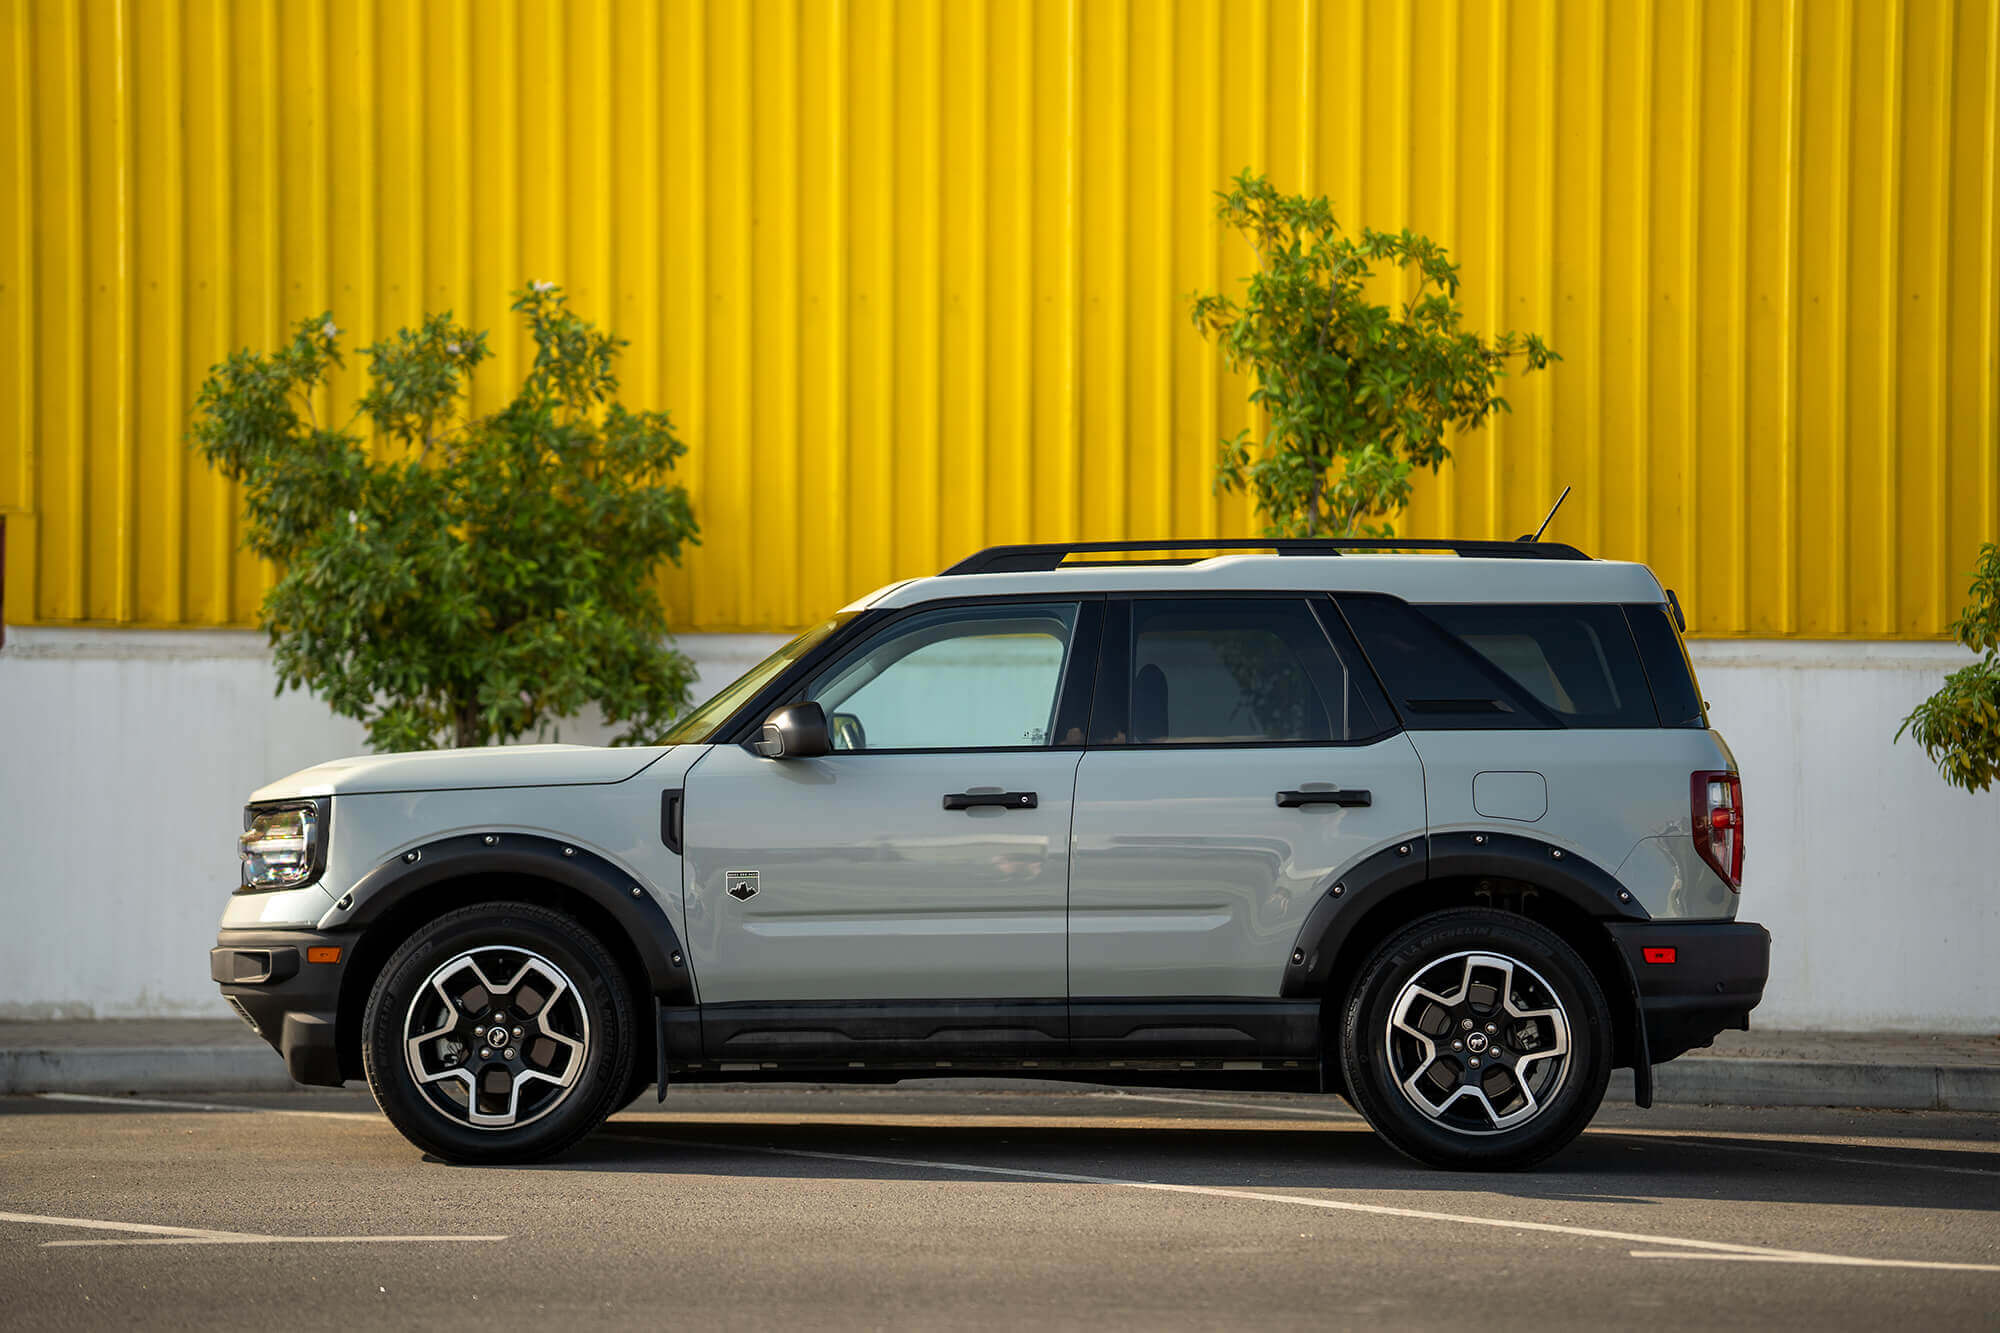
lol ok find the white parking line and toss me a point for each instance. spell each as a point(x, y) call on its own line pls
point(148, 1233)
point(144, 1228)
point(269, 1240)
point(1843, 1260)
point(1719, 1249)
point(1270, 1108)
point(369, 1116)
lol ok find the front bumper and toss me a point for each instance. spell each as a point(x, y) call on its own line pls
point(1693, 979)
point(290, 1001)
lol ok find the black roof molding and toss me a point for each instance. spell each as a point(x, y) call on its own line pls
point(1046, 556)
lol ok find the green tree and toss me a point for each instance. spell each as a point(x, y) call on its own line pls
point(1358, 395)
point(1959, 726)
point(468, 578)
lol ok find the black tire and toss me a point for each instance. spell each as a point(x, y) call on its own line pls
point(1463, 1135)
point(593, 1012)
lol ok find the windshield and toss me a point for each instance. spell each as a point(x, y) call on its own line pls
point(698, 725)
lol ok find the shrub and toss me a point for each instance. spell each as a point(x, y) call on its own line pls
point(467, 579)
point(1358, 395)
point(1959, 726)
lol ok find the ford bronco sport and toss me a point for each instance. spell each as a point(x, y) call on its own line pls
point(1439, 826)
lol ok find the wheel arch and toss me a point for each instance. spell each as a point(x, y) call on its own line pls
point(403, 895)
point(1557, 889)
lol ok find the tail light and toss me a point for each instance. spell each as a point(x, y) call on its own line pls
point(1716, 802)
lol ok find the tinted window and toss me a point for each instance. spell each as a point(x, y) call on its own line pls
point(1576, 660)
point(1675, 693)
point(953, 679)
point(1436, 681)
point(1214, 671)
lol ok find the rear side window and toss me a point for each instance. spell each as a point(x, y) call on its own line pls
point(1676, 694)
point(1577, 660)
point(1215, 671)
point(1437, 682)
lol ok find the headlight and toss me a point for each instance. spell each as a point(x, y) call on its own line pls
point(282, 845)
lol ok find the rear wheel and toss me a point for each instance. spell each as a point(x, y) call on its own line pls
point(1476, 1039)
point(501, 1032)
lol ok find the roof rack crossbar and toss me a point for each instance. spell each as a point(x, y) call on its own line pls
point(1045, 556)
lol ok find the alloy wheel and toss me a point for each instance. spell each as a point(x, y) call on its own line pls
point(496, 1037)
point(1478, 1042)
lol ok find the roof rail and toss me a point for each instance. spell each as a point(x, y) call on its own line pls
point(1046, 556)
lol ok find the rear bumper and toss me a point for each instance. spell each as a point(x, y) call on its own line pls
point(290, 1001)
point(1701, 978)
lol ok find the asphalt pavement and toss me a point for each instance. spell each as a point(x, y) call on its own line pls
point(935, 1206)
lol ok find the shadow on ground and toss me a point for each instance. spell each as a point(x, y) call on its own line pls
point(1606, 1165)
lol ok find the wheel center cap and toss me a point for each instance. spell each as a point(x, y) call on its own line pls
point(1475, 1042)
point(496, 1036)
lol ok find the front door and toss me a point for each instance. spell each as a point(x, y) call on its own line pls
point(1238, 761)
point(925, 861)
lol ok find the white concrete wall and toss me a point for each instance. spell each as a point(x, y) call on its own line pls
point(1881, 885)
point(124, 760)
point(125, 757)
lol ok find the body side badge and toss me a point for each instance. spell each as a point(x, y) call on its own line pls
point(740, 884)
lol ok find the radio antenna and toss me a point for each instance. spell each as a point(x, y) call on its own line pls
point(1550, 519)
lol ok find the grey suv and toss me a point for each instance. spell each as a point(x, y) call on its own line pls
point(1441, 827)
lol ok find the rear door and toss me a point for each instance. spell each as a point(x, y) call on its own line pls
point(1241, 756)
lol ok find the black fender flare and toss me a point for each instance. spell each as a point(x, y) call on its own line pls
point(622, 898)
point(1353, 893)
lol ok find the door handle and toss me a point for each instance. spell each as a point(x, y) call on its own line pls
point(1289, 800)
point(1006, 800)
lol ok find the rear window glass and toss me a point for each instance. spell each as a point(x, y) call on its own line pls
point(1676, 694)
point(1436, 681)
point(1577, 661)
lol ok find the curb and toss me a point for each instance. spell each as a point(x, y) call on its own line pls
point(1693, 1080)
point(1744, 1081)
point(147, 1069)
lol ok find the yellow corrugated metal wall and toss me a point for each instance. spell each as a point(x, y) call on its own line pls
point(912, 276)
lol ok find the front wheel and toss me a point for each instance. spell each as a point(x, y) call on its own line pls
point(1476, 1039)
point(501, 1032)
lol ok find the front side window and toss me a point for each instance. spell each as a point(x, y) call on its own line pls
point(958, 678)
point(1226, 671)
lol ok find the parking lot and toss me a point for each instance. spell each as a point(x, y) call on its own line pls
point(970, 1207)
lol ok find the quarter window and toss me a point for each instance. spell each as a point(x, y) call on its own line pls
point(958, 678)
point(1576, 660)
point(1668, 670)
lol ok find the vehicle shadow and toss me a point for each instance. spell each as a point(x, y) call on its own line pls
point(1604, 1166)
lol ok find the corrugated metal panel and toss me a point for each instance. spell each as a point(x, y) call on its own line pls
point(912, 276)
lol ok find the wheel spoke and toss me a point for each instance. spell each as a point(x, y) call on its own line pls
point(1466, 1087)
point(527, 1022)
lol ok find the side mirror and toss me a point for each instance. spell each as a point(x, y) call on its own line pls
point(796, 731)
